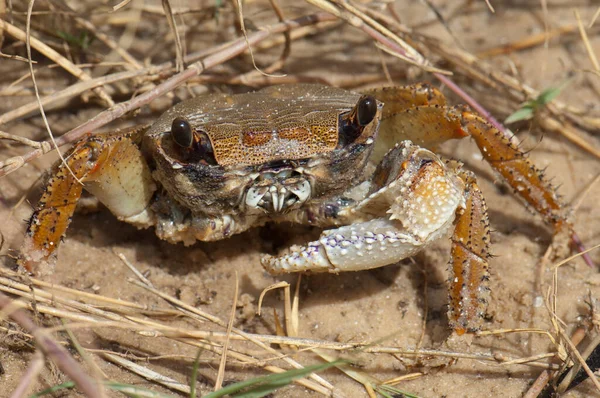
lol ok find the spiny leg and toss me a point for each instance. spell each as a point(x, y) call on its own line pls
point(112, 168)
point(469, 275)
point(401, 119)
point(430, 125)
point(508, 160)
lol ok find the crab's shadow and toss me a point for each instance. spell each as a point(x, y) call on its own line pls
point(103, 230)
point(426, 274)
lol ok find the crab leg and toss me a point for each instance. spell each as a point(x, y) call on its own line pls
point(469, 275)
point(508, 160)
point(421, 199)
point(430, 124)
point(110, 167)
point(406, 114)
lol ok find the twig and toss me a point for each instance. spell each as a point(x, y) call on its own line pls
point(59, 355)
point(54, 56)
point(221, 373)
point(233, 49)
point(25, 141)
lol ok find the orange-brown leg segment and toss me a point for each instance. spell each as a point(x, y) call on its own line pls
point(111, 167)
point(508, 160)
point(429, 124)
point(399, 99)
point(55, 208)
point(410, 114)
point(469, 274)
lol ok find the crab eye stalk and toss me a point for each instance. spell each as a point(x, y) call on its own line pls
point(353, 123)
point(181, 131)
point(366, 110)
point(203, 148)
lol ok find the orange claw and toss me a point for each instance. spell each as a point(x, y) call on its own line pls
point(109, 166)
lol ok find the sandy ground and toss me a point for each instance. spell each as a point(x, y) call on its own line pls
point(385, 305)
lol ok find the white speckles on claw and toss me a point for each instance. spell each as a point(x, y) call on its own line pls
point(353, 248)
point(420, 201)
point(430, 204)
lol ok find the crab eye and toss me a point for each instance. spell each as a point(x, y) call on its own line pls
point(181, 131)
point(353, 123)
point(366, 110)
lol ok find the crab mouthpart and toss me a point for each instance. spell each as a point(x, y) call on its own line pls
point(277, 193)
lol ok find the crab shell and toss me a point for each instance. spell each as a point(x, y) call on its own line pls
point(266, 161)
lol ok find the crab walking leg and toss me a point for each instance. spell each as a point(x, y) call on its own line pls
point(508, 160)
point(110, 167)
point(402, 118)
point(431, 125)
point(469, 275)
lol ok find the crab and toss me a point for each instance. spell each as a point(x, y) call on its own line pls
point(214, 166)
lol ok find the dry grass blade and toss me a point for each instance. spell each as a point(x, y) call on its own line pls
point(586, 41)
point(528, 42)
point(173, 26)
point(487, 2)
point(147, 373)
point(59, 355)
point(75, 90)
point(54, 56)
point(231, 50)
point(221, 374)
point(244, 335)
point(129, 323)
point(571, 375)
point(593, 20)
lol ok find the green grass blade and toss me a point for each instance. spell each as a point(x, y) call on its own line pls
point(64, 386)
point(549, 94)
point(261, 386)
point(524, 113)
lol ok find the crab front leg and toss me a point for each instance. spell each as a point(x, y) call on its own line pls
point(414, 199)
point(411, 202)
point(112, 168)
